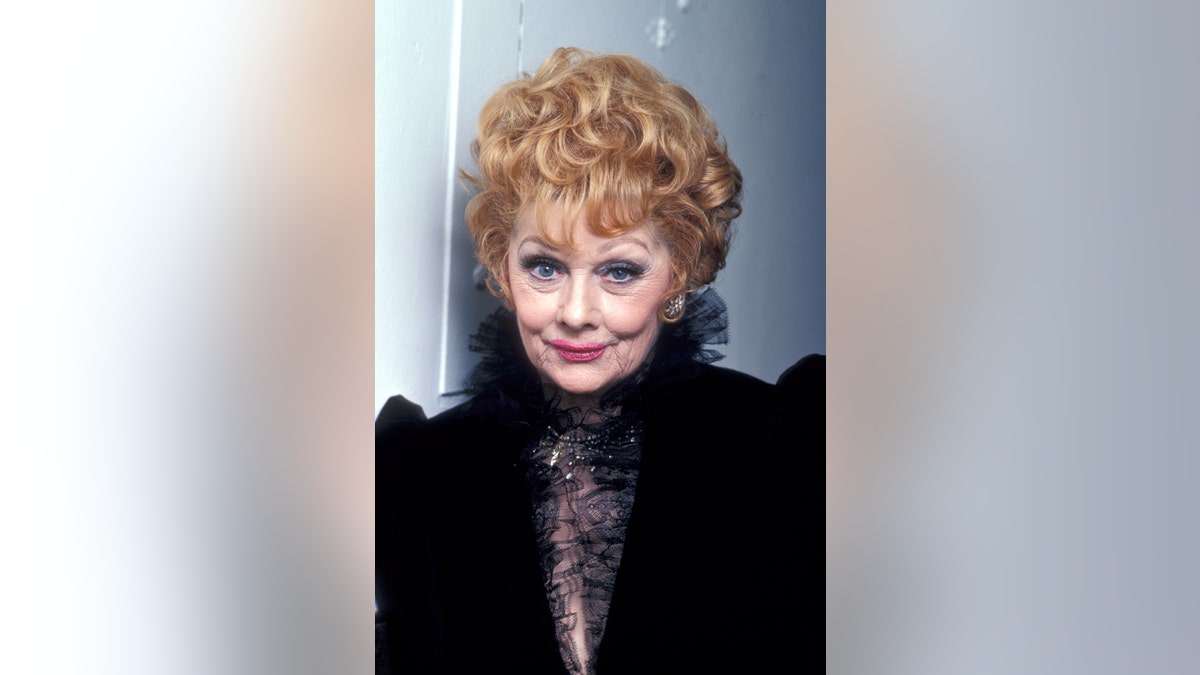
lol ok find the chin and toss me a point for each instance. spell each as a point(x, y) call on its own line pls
point(579, 388)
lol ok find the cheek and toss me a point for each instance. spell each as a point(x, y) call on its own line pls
point(535, 311)
point(633, 316)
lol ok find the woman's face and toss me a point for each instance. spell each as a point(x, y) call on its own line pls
point(588, 315)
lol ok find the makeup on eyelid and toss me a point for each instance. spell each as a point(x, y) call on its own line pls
point(620, 271)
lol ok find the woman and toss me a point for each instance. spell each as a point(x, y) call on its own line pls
point(607, 501)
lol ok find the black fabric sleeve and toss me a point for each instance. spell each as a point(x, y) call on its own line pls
point(805, 379)
point(397, 538)
point(398, 412)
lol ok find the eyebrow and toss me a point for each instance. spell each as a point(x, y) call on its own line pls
point(604, 248)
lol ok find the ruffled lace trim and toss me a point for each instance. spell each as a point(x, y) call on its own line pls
point(706, 322)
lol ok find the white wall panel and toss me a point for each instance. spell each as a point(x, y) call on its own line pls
point(413, 71)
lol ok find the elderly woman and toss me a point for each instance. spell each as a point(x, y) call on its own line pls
point(607, 501)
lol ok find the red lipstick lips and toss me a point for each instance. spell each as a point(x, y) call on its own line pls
point(578, 353)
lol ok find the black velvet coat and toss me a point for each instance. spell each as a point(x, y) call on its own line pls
point(720, 570)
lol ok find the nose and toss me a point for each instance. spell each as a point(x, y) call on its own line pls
point(577, 307)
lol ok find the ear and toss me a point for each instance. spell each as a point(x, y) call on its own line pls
point(679, 281)
point(505, 289)
point(497, 287)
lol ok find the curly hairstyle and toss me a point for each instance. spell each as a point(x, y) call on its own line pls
point(607, 136)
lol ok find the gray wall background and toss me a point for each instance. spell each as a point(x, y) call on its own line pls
point(759, 68)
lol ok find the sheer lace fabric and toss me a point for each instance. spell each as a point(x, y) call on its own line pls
point(582, 474)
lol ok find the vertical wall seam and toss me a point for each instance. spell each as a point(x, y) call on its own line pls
point(451, 164)
point(520, 38)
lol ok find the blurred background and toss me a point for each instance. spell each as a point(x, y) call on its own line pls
point(1013, 243)
point(758, 67)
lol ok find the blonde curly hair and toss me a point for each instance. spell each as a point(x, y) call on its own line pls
point(607, 136)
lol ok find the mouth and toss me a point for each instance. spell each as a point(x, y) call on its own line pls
point(578, 353)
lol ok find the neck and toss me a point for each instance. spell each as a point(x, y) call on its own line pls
point(587, 407)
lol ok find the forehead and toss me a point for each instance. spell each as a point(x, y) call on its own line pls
point(554, 226)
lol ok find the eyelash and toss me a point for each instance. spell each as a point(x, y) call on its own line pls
point(532, 264)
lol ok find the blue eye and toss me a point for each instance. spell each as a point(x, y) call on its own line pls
point(623, 272)
point(540, 268)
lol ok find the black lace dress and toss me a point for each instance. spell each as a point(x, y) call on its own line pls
point(515, 536)
point(582, 471)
